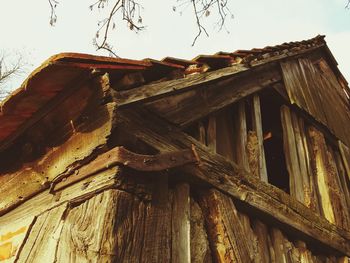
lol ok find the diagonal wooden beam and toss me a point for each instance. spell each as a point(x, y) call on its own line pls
point(254, 195)
point(154, 91)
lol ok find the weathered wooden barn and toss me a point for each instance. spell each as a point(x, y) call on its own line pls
point(232, 157)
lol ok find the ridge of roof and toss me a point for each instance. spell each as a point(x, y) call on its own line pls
point(62, 70)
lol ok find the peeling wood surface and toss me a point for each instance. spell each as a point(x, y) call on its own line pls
point(225, 176)
point(56, 144)
point(36, 178)
point(226, 236)
point(200, 250)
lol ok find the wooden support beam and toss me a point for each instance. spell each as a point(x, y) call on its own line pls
point(121, 156)
point(257, 127)
point(154, 91)
point(256, 196)
point(196, 102)
point(181, 251)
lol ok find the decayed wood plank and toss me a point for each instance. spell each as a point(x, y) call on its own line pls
point(226, 235)
point(225, 134)
point(193, 105)
point(257, 127)
point(253, 153)
point(277, 242)
point(79, 191)
point(158, 90)
point(157, 235)
point(336, 192)
point(122, 156)
point(200, 251)
point(88, 230)
point(318, 94)
point(319, 157)
point(225, 176)
point(344, 182)
point(263, 250)
point(211, 133)
point(312, 195)
point(43, 238)
point(240, 135)
point(36, 178)
point(345, 154)
point(304, 176)
point(181, 251)
point(291, 154)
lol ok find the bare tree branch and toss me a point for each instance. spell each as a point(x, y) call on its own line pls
point(8, 71)
point(53, 16)
point(130, 12)
point(347, 4)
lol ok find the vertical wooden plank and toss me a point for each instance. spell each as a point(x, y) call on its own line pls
point(345, 154)
point(200, 251)
point(202, 133)
point(181, 251)
point(314, 202)
point(278, 241)
point(257, 127)
point(336, 192)
point(344, 182)
point(240, 134)
point(226, 235)
point(261, 232)
point(211, 133)
point(319, 157)
point(157, 236)
point(43, 238)
point(291, 154)
point(304, 176)
point(225, 134)
point(253, 153)
point(88, 232)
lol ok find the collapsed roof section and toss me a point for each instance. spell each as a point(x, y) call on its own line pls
point(63, 71)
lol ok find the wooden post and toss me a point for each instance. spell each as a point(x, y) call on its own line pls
point(181, 251)
point(240, 134)
point(291, 154)
point(257, 127)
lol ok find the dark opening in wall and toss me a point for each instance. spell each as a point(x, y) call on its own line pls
point(271, 102)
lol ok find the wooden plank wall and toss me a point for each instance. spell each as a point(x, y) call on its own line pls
point(177, 223)
point(234, 236)
point(317, 174)
point(319, 94)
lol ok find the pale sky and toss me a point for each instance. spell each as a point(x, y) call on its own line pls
point(25, 28)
